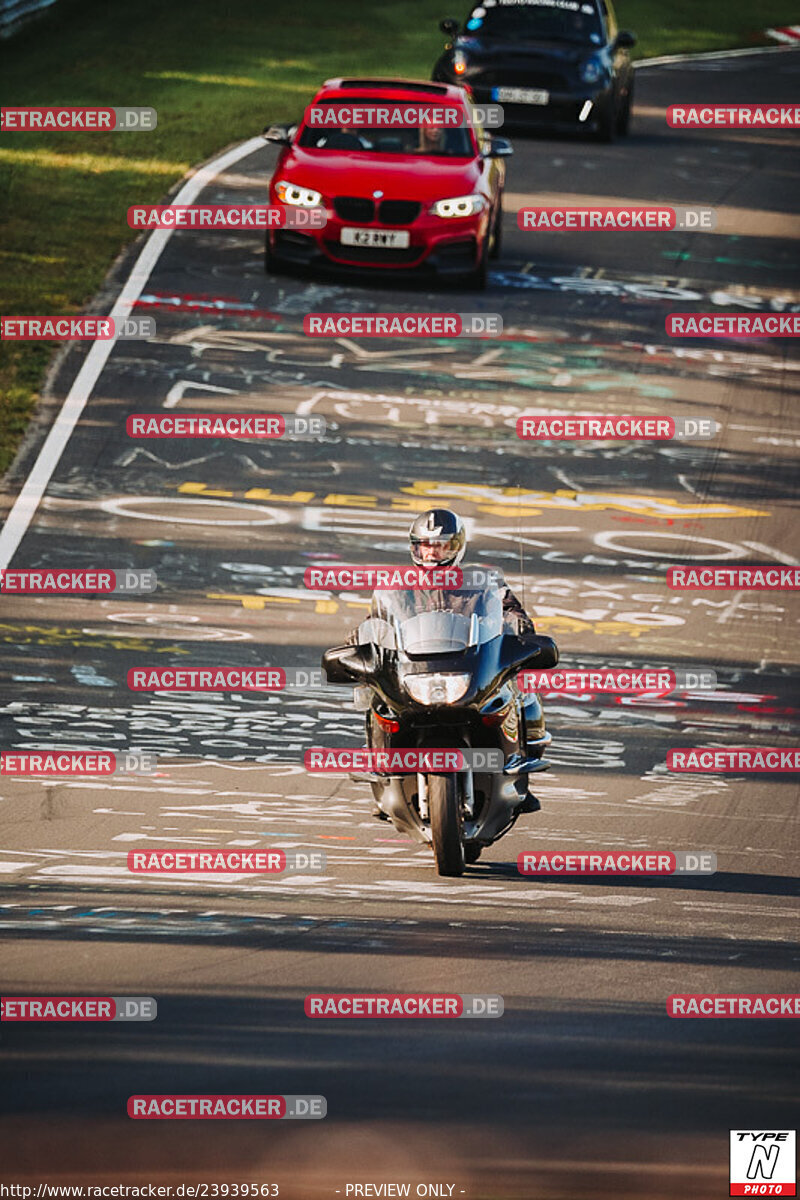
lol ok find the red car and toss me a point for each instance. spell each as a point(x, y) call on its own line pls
point(396, 198)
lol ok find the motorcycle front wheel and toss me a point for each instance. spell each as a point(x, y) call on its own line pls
point(446, 824)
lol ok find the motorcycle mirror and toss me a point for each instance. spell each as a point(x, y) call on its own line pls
point(449, 26)
point(544, 657)
point(528, 651)
point(344, 664)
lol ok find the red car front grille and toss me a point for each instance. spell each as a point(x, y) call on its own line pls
point(354, 208)
point(389, 212)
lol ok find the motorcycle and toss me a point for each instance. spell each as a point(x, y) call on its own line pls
point(437, 669)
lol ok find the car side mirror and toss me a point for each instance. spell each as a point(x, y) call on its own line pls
point(346, 664)
point(498, 147)
point(449, 26)
point(625, 40)
point(280, 134)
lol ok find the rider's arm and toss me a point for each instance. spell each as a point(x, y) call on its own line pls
point(515, 613)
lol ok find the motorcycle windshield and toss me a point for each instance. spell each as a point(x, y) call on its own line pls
point(437, 621)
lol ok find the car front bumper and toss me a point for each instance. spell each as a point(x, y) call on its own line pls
point(446, 246)
point(562, 112)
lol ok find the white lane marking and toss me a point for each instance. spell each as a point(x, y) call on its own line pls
point(562, 477)
point(684, 482)
point(608, 541)
point(183, 385)
point(730, 611)
point(766, 429)
point(707, 54)
point(41, 472)
point(129, 507)
point(788, 559)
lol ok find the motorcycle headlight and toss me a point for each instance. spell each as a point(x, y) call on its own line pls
point(436, 688)
point(591, 70)
point(290, 193)
point(459, 206)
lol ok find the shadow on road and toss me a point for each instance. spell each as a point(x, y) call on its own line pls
point(723, 881)
point(392, 935)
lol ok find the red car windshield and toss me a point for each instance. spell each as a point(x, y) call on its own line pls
point(421, 141)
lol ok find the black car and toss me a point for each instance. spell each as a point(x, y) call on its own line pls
point(553, 64)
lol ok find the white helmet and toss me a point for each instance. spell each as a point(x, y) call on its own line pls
point(443, 532)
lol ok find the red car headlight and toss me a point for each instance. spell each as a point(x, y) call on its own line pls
point(459, 206)
point(290, 193)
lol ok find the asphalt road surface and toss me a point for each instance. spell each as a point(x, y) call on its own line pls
point(584, 1086)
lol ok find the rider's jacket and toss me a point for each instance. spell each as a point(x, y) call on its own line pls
point(513, 607)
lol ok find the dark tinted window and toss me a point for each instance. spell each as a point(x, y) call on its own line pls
point(428, 140)
point(547, 20)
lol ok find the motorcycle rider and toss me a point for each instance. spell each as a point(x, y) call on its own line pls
point(437, 538)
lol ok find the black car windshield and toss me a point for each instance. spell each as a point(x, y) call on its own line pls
point(540, 20)
point(417, 140)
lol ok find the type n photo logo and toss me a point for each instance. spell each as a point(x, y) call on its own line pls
point(763, 1162)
